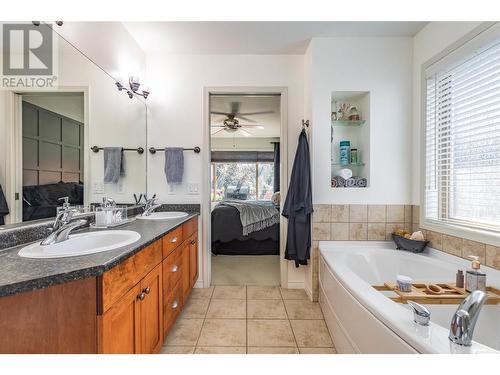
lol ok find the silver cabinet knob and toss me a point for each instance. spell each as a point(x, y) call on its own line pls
point(175, 268)
point(175, 304)
point(141, 296)
point(173, 240)
point(147, 290)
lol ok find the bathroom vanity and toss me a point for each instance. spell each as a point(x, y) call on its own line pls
point(121, 301)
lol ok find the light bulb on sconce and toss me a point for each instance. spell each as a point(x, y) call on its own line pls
point(134, 86)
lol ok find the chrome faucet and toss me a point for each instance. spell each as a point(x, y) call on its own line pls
point(108, 202)
point(63, 226)
point(150, 206)
point(421, 315)
point(465, 318)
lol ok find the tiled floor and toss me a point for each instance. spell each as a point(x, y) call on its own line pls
point(246, 270)
point(249, 319)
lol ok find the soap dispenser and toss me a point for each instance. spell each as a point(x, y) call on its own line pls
point(475, 279)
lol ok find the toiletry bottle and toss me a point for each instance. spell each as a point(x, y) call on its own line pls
point(345, 147)
point(474, 278)
point(460, 279)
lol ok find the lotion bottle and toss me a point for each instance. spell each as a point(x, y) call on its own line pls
point(475, 279)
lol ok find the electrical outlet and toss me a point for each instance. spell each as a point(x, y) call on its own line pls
point(98, 188)
point(171, 189)
point(121, 188)
point(193, 188)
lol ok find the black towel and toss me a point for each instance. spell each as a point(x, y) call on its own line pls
point(4, 208)
point(298, 206)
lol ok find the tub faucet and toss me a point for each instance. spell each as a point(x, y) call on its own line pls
point(465, 318)
point(421, 315)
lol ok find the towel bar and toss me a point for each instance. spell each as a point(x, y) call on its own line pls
point(195, 149)
point(139, 150)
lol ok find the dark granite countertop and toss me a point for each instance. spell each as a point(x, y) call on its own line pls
point(19, 274)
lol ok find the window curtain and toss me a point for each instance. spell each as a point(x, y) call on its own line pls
point(276, 166)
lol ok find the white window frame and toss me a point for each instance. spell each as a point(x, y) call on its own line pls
point(465, 46)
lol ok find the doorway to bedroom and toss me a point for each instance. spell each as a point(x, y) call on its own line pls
point(245, 169)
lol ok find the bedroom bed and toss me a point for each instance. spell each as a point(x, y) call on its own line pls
point(228, 237)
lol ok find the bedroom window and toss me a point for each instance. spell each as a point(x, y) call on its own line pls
point(242, 180)
point(462, 137)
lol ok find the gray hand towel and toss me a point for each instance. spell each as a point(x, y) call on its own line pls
point(174, 165)
point(113, 164)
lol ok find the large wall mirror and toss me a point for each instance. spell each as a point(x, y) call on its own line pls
point(55, 140)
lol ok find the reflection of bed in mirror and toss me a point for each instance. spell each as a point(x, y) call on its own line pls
point(228, 239)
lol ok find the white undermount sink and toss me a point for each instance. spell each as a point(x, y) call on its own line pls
point(82, 244)
point(164, 215)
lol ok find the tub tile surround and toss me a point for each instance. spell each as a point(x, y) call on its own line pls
point(357, 222)
point(461, 247)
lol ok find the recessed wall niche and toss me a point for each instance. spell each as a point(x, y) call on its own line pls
point(350, 139)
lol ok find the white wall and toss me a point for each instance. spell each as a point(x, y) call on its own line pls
point(381, 66)
point(176, 109)
point(430, 41)
point(68, 105)
point(243, 144)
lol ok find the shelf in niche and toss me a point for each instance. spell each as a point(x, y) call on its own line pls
point(348, 122)
point(349, 165)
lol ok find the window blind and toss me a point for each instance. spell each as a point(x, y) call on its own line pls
point(462, 140)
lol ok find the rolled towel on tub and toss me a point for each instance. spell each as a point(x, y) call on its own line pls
point(174, 165)
point(113, 164)
point(339, 181)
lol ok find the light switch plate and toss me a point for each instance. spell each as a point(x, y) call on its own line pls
point(98, 188)
point(193, 188)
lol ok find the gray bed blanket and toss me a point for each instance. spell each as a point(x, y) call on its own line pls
point(254, 216)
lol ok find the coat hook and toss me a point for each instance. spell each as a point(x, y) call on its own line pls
point(305, 123)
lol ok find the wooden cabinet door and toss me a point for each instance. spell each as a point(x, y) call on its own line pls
point(151, 311)
point(186, 279)
point(193, 260)
point(121, 328)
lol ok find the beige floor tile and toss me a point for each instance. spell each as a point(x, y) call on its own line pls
point(263, 292)
point(317, 351)
point(293, 294)
point(311, 334)
point(223, 332)
point(197, 293)
point(177, 350)
point(195, 308)
point(230, 292)
point(220, 350)
point(297, 309)
point(227, 309)
point(185, 332)
point(266, 309)
point(271, 350)
point(270, 333)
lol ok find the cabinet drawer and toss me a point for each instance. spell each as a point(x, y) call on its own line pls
point(171, 241)
point(172, 270)
point(120, 279)
point(190, 227)
point(172, 307)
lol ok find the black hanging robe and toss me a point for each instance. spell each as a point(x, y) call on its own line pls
point(298, 206)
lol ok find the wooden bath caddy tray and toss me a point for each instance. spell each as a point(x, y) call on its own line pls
point(450, 294)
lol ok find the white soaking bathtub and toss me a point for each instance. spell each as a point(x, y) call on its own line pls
point(364, 320)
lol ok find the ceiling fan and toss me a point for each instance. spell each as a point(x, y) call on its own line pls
point(232, 122)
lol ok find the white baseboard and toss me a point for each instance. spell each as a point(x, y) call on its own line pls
point(198, 284)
